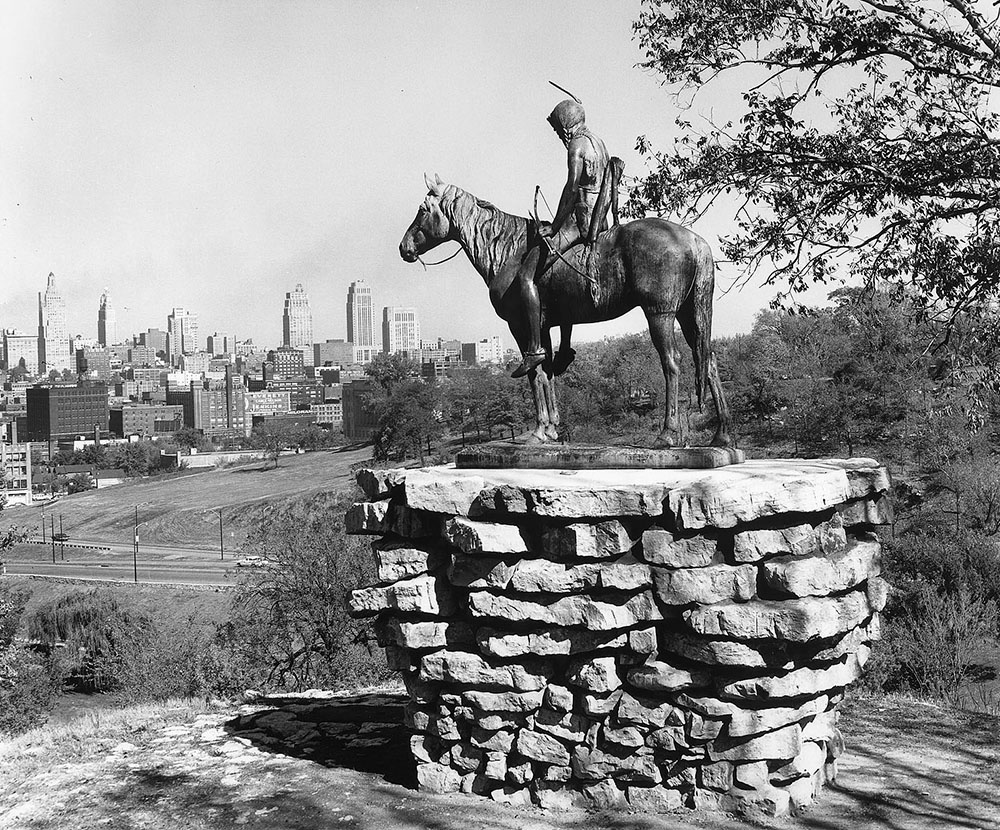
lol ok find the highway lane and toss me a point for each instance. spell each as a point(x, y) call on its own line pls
point(119, 569)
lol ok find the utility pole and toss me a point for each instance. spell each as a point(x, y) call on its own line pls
point(62, 541)
point(52, 536)
point(222, 548)
point(43, 526)
point(135, 547)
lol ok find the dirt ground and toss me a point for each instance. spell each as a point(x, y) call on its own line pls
point(291, 766)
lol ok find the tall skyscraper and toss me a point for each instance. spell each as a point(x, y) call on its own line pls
point(400, 330)
point(53, 341)
point(107, 328)
point(361, 321)
point(182, 334)
point(220, 343)
point(297, 320)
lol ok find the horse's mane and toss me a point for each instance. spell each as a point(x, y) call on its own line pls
point(492, 235)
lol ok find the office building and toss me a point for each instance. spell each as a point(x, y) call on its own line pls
point(400, 330)
point(359, 418)
point(107, 329)
point(182, 334)
point(142, 356)
point(146, 419)
point(488, 351)
point(328, 414)
point(220, 343)
point(219, 408)
point(287, 362)
point(361, 321)
point(296, 321)
point(94, 362)
point(57, 411)
point(53, 338)
point(155, 339)
point(20, 349)
point(333, 353)
point(197, 363)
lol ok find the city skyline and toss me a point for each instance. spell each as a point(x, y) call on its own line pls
point(186, 159)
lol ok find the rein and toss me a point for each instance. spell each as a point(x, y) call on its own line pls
point(440, 261)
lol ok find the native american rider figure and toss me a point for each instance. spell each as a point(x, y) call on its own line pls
point(580, 217)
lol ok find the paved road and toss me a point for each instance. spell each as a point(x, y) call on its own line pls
point(155, 564)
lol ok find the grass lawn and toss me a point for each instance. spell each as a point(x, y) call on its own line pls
point(184, 509)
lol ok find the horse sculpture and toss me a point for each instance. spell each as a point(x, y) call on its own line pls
point(663, 268)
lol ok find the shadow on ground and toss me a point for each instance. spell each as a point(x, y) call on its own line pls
point(363, 732)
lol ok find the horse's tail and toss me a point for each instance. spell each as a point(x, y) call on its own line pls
point(702, 296)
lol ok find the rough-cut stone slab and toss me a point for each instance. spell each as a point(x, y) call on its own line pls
point(438, 778)
point(558, 698)
point(547, 641)
point(720, 652)
point(871, 512)
point(782, 743)
point(379, 484)
point(497, 740)
point(381, 517)
point(469, 669)
point(662, 547)
point(648, 712)
point(541, 747)
point(654, 799)
point(478, 572)
point(420, 594)
point(797, 540)
point(399, 560)
point(705, 585)
point(744, 722)
point(574, 610)
point(507, 455)
point(566, 726)
point(798, 620)
point(485, 537)
point(820, 576)
point(722, 497)
point(624, 763)
point(799, 682)
point(594, 674)
point(423, 635)
point(367, 517)
point(658, 676)
point(503, 701)
point(643, 641)
point(598, 540)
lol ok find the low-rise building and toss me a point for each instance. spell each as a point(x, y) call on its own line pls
point(146, 419)
point(330, 413)
point(15, 468)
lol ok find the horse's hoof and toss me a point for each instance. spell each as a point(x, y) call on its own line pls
point(552, 433)
point(721, 440)
point(561, 361)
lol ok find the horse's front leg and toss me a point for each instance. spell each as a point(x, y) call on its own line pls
point(539, 394)
point(548, 373)
point(661, 331)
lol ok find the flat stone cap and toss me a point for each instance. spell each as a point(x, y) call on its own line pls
point(722, 497)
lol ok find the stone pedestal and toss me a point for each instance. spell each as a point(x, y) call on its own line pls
point(653, 638)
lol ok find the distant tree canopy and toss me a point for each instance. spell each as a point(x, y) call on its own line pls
point(868, 144)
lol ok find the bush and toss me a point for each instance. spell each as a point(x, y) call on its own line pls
point(29, 683)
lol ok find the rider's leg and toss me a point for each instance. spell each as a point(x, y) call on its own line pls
point(534, 354)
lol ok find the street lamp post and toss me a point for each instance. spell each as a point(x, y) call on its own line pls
point(222, 548)
point(135, 547)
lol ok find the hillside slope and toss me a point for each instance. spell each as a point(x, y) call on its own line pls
point(908, 765)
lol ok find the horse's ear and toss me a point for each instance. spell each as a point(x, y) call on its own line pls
point(429, 182)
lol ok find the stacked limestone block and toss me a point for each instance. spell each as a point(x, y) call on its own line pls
point(627, 637)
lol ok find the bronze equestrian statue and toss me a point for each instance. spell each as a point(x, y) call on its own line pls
point(663, 268)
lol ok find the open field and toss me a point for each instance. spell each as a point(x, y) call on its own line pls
point(183, 510)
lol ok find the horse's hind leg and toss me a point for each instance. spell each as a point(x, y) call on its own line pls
point(722, 437)
point(661, 330)
point(548, 383)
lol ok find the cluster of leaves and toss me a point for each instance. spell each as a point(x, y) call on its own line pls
point(867, 144)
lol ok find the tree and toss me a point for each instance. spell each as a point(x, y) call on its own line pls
point(290, 620)
point(389, 369)
point(275, 436)
point(868, 147)
point(80, 483)
point(409, 418)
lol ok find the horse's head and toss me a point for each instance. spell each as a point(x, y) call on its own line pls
point(430, 227)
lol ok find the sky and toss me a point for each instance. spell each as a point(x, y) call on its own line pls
point(211, 155)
